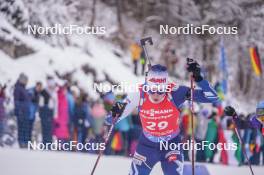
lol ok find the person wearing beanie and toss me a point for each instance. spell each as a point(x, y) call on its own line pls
point(159, 103)
point(48, 103)
point(22, 110)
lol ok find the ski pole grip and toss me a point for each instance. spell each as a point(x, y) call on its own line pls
point(143, 41)
point(190, 60)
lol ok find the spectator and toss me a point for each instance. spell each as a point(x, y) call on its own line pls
point(135, 50)
point(22, 110)
point(211, 136)
point(61, 129)
point(170, 58)
point(83, 119)
point(72, 96)
point(34, 94)
point(200, 132)
point(109, 99)
point(2, 110)
point(47, 107)
point(98, 113)
point(123, 127)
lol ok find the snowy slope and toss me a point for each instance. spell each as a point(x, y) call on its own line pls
point(24, 162)
point(46, 60)
point(85, 49)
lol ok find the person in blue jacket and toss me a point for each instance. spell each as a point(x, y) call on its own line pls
point(159, 112)
point(34, 95)
point(82, 118)
point(22, 110)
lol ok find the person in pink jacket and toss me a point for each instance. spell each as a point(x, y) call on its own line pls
point(61, 130)
point(98, 112)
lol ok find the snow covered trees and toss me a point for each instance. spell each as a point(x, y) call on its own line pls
point(15, 12)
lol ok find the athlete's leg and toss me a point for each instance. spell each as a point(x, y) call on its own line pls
point(172, 160)
point(173, 163)
point(145, 157)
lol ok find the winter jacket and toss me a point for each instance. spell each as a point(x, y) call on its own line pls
point(34, 102)
point(62, 119)
point(47, 105)
point(135, 50)
point(21, 100)
point(98, 112)
point(82, 114)
point(48, 98)
point(71, 105)
point(2, 108)
point(124, 125)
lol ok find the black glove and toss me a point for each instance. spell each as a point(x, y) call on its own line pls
point(194, 67)
point(118, 109)
point(230, 111)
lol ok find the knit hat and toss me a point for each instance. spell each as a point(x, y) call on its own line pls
point(157, 76)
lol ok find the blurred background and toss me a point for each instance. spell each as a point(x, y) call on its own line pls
point(46, 81)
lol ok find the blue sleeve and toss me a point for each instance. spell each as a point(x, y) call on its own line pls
point(30, 93)
point(179, 95)
point(206, 94)
point(254, 122)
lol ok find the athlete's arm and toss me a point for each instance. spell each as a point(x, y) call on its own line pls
point(132, 101)
point(206, 94)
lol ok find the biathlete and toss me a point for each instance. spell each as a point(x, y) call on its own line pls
point(159, 112)
point(255, 121)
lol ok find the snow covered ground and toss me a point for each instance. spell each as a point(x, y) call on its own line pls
point(24, 162)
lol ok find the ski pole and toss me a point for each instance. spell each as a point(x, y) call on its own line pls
point(143, 42)
point(192, 125)
point(192, 120)
point(242, 145)
point(106, 141)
